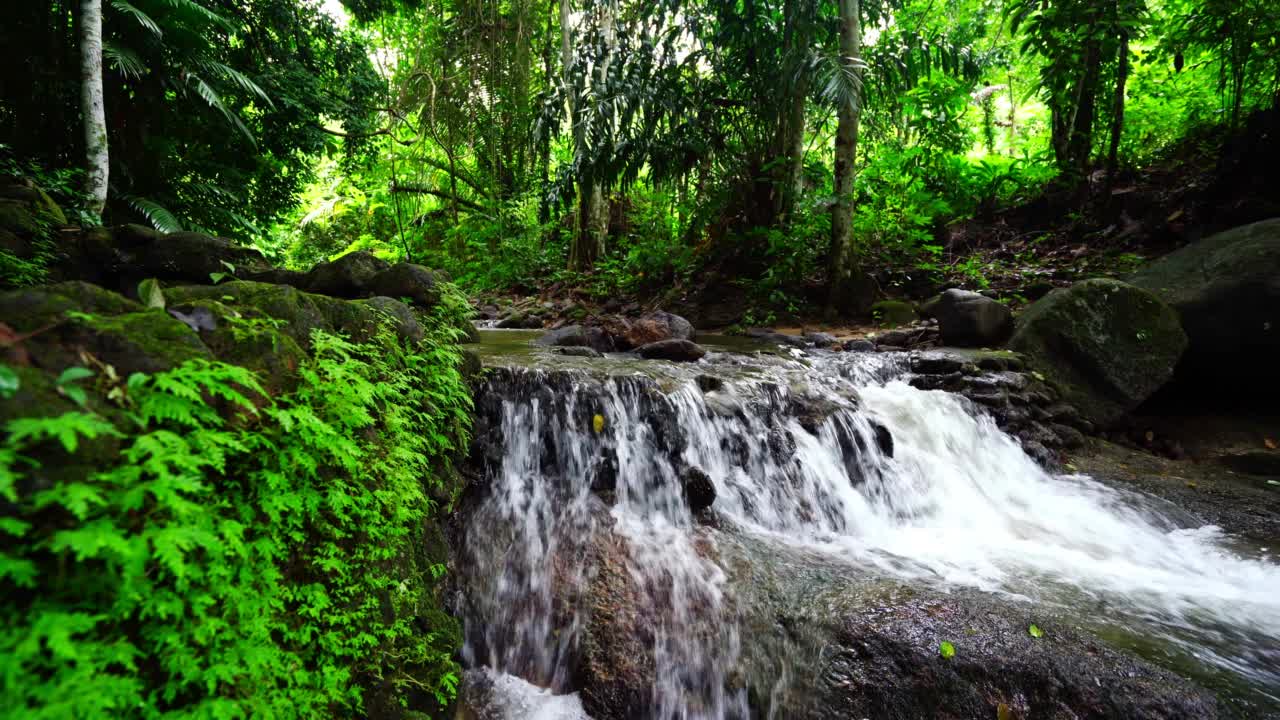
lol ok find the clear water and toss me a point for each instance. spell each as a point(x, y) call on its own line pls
point(958, 505)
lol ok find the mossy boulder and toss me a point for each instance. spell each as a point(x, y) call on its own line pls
point(1106, 344)
point(193, 257)
point(401, 281)
point(244, 337)
point(29, 310)
point(1226, 290)
point(350, 276)
point(301, 313)
point(892, 313)
point(17, 217)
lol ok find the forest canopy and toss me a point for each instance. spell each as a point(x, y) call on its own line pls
point(791, 147)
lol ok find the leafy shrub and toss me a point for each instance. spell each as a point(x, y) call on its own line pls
point(239, 556)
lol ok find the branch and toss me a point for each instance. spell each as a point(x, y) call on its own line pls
point(421, 190)
point(384, 131)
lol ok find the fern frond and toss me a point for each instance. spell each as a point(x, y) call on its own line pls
point(159, 217)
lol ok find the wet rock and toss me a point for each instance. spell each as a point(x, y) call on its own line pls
point(577, 336)
point(520, 321)
point(967, 319)
point(677, 350)
point(884, 439)
point(699, 491)
point(1070, 437)
point(657, 326)
point(580, 351)
point(821, 339)
point(859, 345)
point(1107, 345)
point(709, 383)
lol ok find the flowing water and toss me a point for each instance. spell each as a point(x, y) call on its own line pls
point(795, 448)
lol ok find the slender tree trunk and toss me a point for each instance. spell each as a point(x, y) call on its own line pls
point(95, 119)
point(593, 208)
point(1117, 112)
point(841, 262)
point(1080, 142)
point(789, 142)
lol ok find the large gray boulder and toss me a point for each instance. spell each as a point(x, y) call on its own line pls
point(967, 319)
point(1226, 290)
point(350, 276)
point(1106, 344)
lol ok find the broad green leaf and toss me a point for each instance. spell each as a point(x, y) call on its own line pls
point(1035, 631)
point(74, 374)
point(946, 649)
point(150, 294)
point(9, 382)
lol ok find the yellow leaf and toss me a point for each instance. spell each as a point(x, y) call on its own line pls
point(1271, 444)
point(1003, 712)
point(597, 423)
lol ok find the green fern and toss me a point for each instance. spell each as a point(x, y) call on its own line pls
point(222, 562)
point(160, 218)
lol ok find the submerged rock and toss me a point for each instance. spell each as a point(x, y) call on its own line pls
point(1106, 344)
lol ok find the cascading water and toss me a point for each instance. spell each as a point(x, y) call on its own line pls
point(591, 474)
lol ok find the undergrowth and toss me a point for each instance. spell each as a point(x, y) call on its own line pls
point(195, 549)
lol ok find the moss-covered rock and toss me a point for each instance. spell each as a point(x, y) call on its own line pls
point(892, 313)
point(302, 313)
point(31, 309)
point(1106, 344)
point(17, 217)
point(247, 338)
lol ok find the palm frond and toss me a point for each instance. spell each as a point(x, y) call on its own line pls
point(156, 214)
point(214, 100)
point(124, 7)
point(195, 8)
point(240, 79)
point(126, 61)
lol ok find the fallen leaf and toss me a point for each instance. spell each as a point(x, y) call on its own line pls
point(1035, 631)
point(946, 649)
point(1271, 444)
point(1003, 712)
point(1150, 436)
point(597, 423)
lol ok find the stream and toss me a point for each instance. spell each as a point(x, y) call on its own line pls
point(843, 498)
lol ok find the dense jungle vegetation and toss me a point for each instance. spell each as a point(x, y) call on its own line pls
point(792, 150)
point(240, 514)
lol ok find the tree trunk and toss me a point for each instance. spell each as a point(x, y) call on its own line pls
point(842, 266)
point(1080, 142)
point(593, 229)
point(1117, 111)
point(95, 119)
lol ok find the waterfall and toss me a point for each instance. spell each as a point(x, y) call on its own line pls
point(589, 507)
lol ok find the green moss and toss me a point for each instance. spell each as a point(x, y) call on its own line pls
point(1106, 344)
point(892, 313)
point(149, 341)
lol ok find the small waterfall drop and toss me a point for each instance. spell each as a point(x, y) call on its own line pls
point(588, 472)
